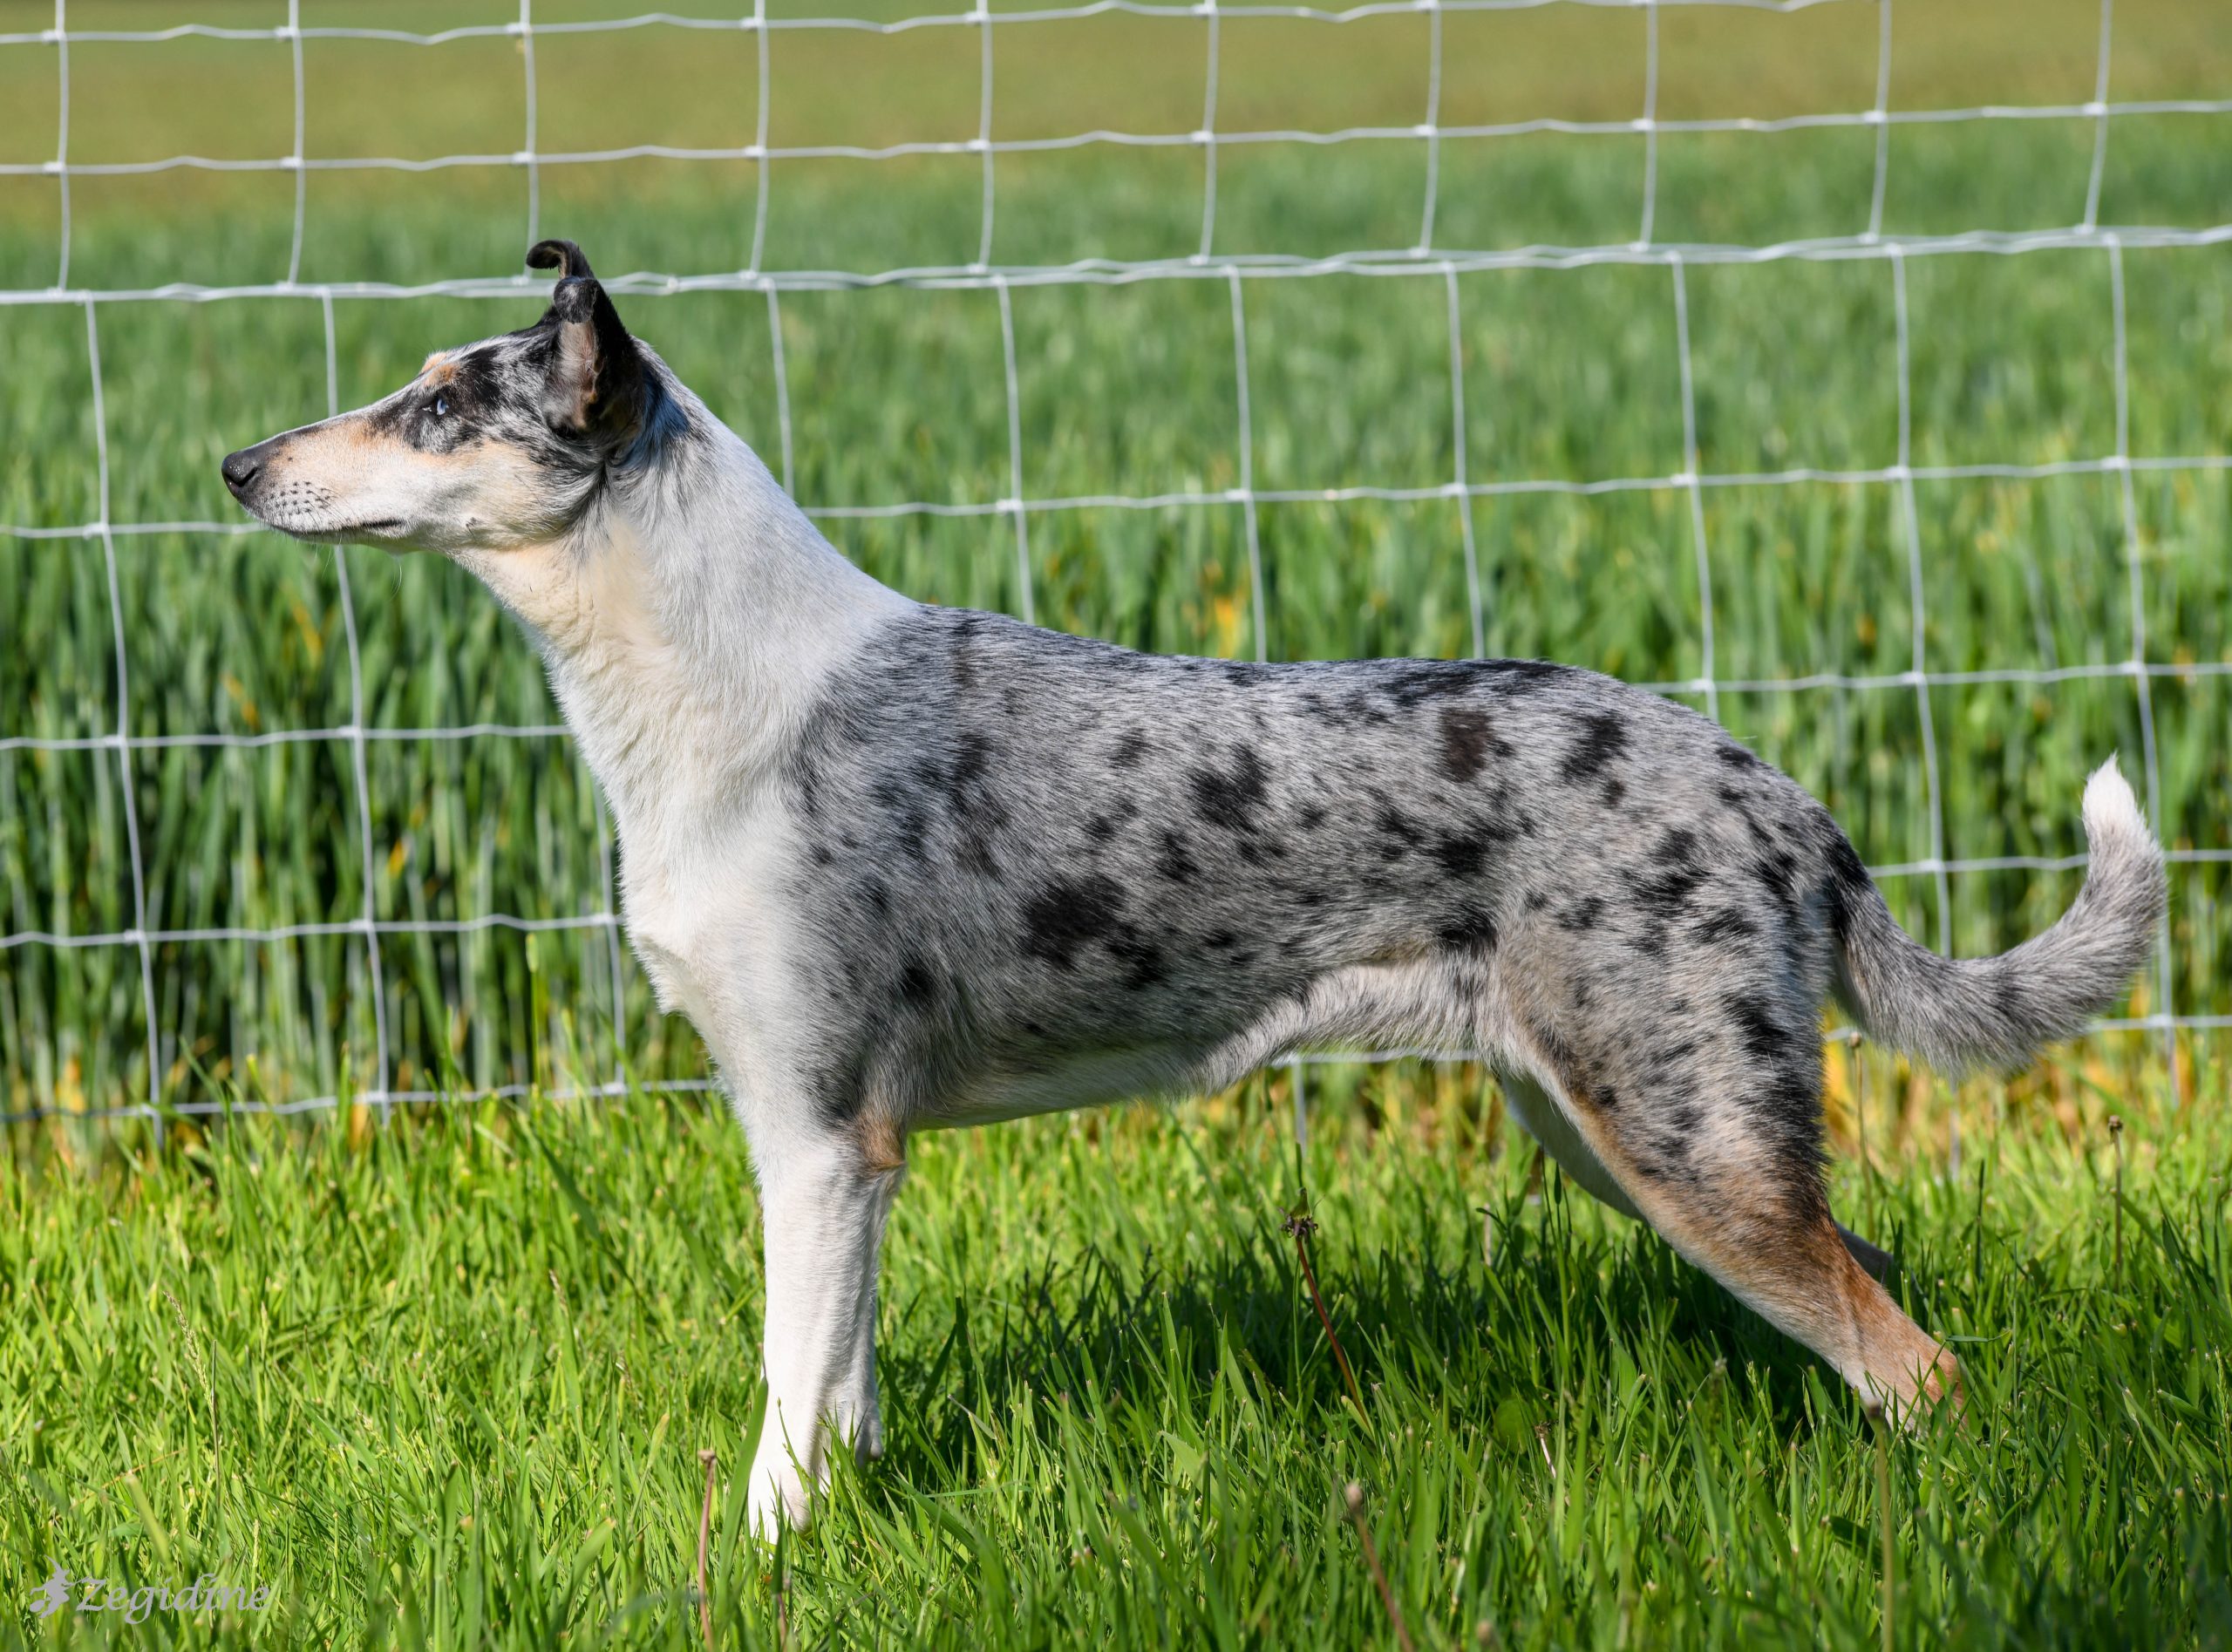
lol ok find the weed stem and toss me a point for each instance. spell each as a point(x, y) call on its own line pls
point(1301, 1226)
point(705, 1541)
point(1883, 1502)
point(1354, 1496)
point(2116, 1135)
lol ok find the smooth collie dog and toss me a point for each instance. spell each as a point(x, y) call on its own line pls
point(909, 867)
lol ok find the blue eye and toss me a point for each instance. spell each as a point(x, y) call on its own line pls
point(441, 407)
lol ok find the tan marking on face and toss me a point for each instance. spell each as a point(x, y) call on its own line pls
point(344, 438)
point(440, 368)
point(351, 439)
point(489, 493)
point(329, 453)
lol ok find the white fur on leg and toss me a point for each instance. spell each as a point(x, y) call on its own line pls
point(824, 1215)
point(859, 1415)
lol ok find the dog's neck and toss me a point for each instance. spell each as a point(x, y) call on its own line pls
point(688, 618)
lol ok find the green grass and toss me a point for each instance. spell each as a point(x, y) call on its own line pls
point(444, 1383)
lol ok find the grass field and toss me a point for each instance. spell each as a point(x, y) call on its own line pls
point(443, 1381)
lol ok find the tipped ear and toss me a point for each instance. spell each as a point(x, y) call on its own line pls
point(562, 255)
point(597, 387)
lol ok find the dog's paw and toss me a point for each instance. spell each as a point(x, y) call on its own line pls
point(859, 1424)
point(1941, 1386)
point(1925, 1395)
point(868, 1443)
point(780, 1496)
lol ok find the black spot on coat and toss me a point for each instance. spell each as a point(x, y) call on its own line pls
point(1602, 741)
point(1468, 738)
point(1723, 926)
point(1231, 799)
point(1582, 915)
point(918, 988)
point(1666, 894)
point(1462, 855)
point(1469, 930)
point(1174, 861)
point(1764, 1038)
point(1063, 918)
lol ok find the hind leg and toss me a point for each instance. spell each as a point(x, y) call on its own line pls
point(1544, 1120)
point(1798, 1272)
point(1728, 1175)
point(1873, 1258)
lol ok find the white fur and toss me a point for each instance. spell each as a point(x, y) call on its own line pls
point(2111, 814)
point(682, 647)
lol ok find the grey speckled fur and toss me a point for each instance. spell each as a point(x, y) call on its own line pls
point(1025, 849)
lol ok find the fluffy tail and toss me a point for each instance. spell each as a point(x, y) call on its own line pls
point(1962, 1013)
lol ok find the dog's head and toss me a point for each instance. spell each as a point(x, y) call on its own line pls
point(491, 446)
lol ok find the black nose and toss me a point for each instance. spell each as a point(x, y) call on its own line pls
point(241, 469)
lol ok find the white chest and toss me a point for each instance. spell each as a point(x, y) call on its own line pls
point(707, 916)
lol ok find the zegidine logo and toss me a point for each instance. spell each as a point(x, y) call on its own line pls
point(61, 1591)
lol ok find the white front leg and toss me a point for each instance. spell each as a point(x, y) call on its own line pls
point(823, 1207)
point(859, 1417)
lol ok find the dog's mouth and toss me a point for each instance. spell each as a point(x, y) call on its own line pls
point(338, 533)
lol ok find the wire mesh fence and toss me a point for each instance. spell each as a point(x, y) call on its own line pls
point(2131, 655)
